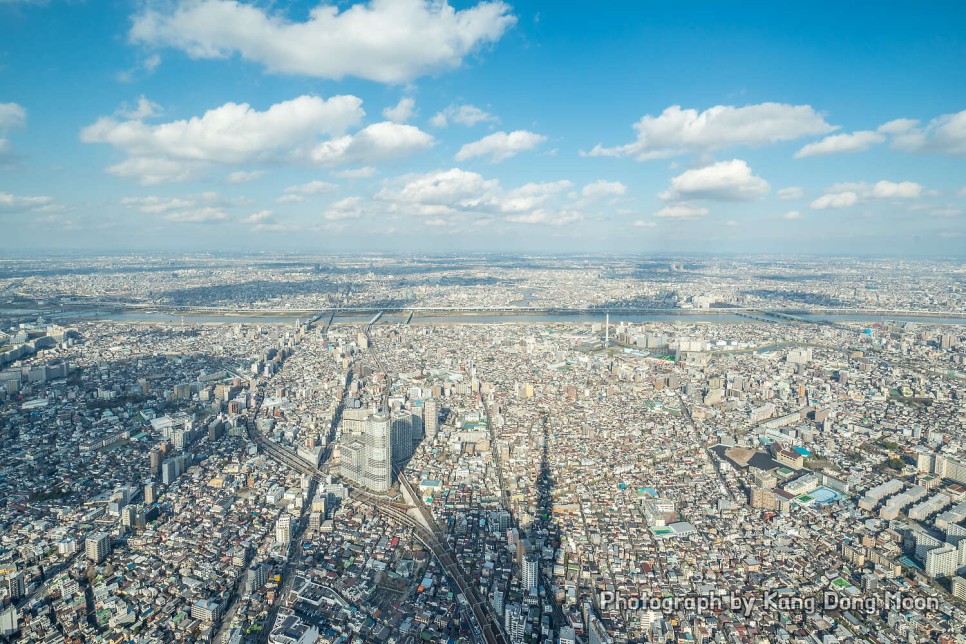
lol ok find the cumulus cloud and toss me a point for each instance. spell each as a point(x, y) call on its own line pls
point(790, 193)
point(390, 41)
point(444, 191)
point(144, 109)
point(12, 115)
point(468, 115)
point(945, 134)
point(602, 188)
point(792, 214)
point(644, 223)
point(458, 195)
point(356, 173)
point(679, 131)
point(550, 218)
point(682, 212)
point(724, 181)
point(377, 142)
point(500, 146)
point(205, 215)
point(835, 200)
point(401, 112)
point(260, 217)
point(531, 196)
point(312, 188)
point(348, 208)
point(154, 205)
point(242, 176)
point(845, 195)
point(237, 133)
point(231, 134)
point(10, 203)
point(839, 143)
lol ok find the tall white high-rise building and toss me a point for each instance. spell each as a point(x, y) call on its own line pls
point(377, 438)
point(514, 623)
point(283, 529)
point(942, 561)
point(530, 572)
point(430, 417)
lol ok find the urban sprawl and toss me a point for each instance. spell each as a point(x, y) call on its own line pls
point(495, 449)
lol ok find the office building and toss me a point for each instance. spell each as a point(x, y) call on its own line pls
point(402, 438)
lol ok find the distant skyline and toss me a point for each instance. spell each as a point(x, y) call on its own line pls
point(413, 126)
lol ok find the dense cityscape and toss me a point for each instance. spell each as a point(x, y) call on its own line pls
point(482, 322)
point(482, 449)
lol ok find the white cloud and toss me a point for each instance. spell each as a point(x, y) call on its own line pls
point(390, 41)
point(902, 190)
point(839, 143)
point(154, 205)
point(845, 195)
point(356, 173)
point(241, 176)
point(678, 131)
point(531, 196)
point(725, 180)
point(602, 188)
point(792, 214)
point(10, 203)
point(402, 111)
point(731, 222)
point(445, 191)
point(549, 218)
point(377, 142)
point(946, 211)
point(12, 115)
point(643, 223)
point(835, 200)
point(230, 134)
point(312, 188)
point(468, 115)
point(458, 195)
point(151, 171)
point(260, 217)
point(500, 146)
point(945, 134)
point(682, 212)
point(792, 192)
point(143, 110)
point(205, 215)
point(348, 208)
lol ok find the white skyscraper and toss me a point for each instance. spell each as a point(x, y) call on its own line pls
point(430, 417)
point(283, 529)
point(378, 441)
point(942, 561)
point(530, 571)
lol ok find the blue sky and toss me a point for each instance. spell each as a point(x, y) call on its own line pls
point(406, 125)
